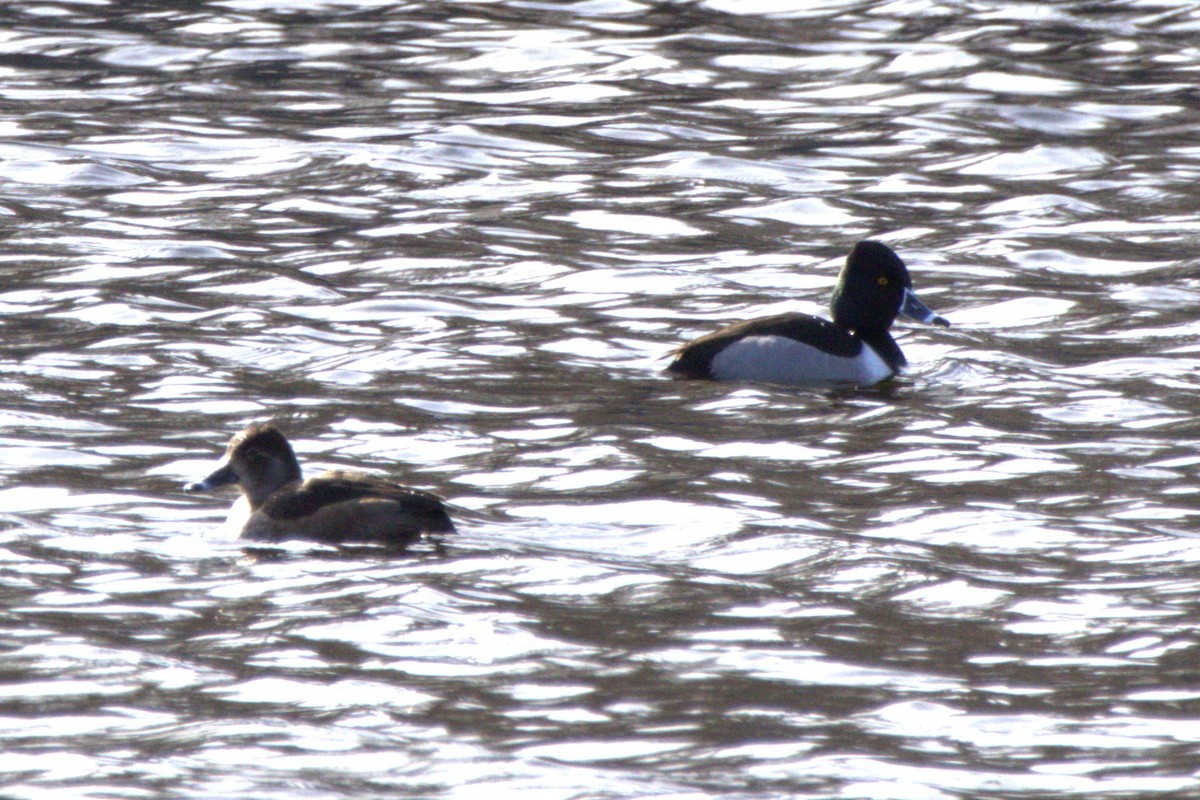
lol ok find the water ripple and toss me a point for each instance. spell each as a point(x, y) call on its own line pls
point(456, 246)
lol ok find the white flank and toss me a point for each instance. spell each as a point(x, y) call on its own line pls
point(778, 359)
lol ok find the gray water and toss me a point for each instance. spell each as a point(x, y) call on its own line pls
point(453, 243)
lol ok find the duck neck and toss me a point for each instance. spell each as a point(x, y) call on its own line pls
point(881, 342)
point(279, 474)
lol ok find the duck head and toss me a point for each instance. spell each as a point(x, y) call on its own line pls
point(259, 459)
point(873, 288)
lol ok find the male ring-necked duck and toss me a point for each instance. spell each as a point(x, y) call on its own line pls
point(334, 507)
point(856, 347)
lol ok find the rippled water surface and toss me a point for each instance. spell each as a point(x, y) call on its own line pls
point(453, 242)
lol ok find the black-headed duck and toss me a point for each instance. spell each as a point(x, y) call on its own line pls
point(856, 347)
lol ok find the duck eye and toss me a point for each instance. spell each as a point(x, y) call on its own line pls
point(883, 281)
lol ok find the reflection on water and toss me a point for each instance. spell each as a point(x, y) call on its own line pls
point(453, 243)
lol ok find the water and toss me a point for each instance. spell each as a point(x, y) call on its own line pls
point(453, 242)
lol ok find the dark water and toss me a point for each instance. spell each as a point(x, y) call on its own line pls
point(452, 242)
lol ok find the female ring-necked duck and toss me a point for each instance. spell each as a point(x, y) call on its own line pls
point(334, 507)
point(856, 347)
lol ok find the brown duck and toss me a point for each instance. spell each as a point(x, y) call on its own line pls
point(338, 507)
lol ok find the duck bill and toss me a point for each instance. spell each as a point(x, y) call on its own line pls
point(222, 477)
point(913, 308)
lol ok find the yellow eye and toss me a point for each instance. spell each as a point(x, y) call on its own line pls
point(883, 280)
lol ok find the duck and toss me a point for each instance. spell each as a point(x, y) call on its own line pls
point(336, 507)
point(856, 347)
